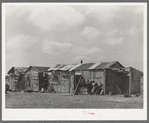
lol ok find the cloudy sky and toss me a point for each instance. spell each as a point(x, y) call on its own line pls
point(44, 35)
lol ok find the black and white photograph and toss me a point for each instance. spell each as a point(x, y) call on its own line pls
point(74, 61)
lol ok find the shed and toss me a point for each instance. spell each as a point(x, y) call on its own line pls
point(65, 78)
point(34, 75)
point(60, 77)
point(107, 73)
point(135, 80)
point(13, 76)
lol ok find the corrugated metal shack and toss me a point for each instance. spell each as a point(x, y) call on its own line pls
point(111, 74)
point(13, 76)
point(61, 77)
point(34, 78)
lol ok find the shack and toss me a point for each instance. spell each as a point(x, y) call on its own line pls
point(135, 80)
point(60, 77)
point(111, 75)
point(13, 76)
point(35, 76)
point(67, 78)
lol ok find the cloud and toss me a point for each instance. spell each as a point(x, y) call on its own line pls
point(113, 32)
point(78, 58)
point(85, 51)
point(55, 17)
point(133, 30)
point(22, 42)
point(114, 41)
point(102, 13)
point(54, 48)
point(101, 58)
point(133, 9)
point(47, 18)
point(17, 11)
point(90, 32)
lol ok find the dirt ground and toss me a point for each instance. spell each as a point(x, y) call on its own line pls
point(47, 100)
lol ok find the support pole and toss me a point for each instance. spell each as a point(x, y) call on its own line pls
point(130, 81)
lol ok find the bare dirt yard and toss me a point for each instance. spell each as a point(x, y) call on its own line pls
point(47, 100)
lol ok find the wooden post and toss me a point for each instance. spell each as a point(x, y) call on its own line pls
point(60, 82)
point(130, 80)
point(104, 81)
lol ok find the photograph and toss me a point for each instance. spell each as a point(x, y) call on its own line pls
point(88, 60)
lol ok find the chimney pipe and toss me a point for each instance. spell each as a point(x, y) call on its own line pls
point(81, 61)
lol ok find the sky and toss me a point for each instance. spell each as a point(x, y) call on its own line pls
point(45, 35)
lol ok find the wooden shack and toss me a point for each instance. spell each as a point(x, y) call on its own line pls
point(112, 75)
point(13, 76)
point(61, 79)
point(135, 77)
point(34, 75)
point(107, 73)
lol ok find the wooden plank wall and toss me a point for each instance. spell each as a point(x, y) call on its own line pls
point(112, 78)
point(141, 85)
point(34, 79)
point(135, 83)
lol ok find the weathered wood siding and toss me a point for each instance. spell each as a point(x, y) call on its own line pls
point(65, 83)
point(113, 77)
point(34, 79)
point(141, 85)
point(12, 79)
point(135, 82)
point(97, 76)
point(72, 84)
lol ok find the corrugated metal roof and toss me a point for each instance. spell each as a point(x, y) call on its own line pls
point(94, 66)
point(67, 67)
point(57, 67)
point(74, 67)
point(102, 65)
point(110, 64)
point(64, 67)
point(84, 66)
